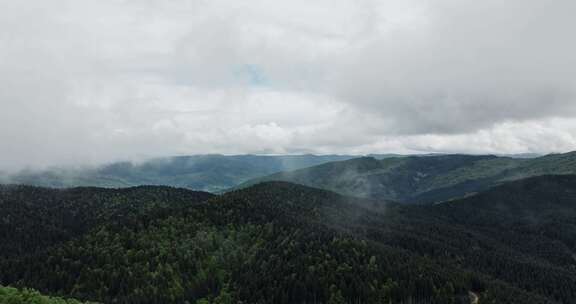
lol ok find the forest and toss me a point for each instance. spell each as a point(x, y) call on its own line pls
point(278, 242)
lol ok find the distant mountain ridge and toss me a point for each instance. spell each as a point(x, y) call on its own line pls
point(209, 172)
point(417, 179)
point(212, 172)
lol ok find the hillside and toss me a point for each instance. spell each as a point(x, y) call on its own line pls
point(283, 243)
point(198, 172)
point(417, 179)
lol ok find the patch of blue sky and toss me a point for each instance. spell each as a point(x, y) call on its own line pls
point(252, 74)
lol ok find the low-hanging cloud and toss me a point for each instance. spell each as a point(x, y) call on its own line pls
point(93, 81)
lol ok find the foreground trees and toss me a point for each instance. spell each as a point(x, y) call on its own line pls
point(10, 295)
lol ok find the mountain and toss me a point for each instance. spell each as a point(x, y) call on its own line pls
point(199, 172)
point(418, 179)
point(213, 173)
point(278, 242)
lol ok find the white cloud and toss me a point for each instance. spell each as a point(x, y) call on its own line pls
point(92, 81)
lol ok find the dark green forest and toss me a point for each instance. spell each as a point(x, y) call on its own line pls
point(278, 242)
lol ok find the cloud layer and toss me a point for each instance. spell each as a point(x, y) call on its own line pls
point(93, 81)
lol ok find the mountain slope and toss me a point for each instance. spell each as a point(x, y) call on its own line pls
point(284, 243)
point(198, 172)
point(418, 179)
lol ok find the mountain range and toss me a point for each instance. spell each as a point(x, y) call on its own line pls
point(213, 172)
point(198, 172)
point(418, 179)
point(377, 229)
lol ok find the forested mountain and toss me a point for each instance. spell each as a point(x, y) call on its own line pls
point(278, 242)
point(418, 179)
point(198, 172)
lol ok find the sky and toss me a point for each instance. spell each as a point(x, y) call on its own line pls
point(92, 81)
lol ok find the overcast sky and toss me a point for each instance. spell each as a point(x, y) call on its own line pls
point(88, 81)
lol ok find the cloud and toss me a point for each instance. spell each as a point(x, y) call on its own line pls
point(94, 81)
point(471, 65)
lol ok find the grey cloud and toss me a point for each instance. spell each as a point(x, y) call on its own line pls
point(94, 81)
point(475, 64)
